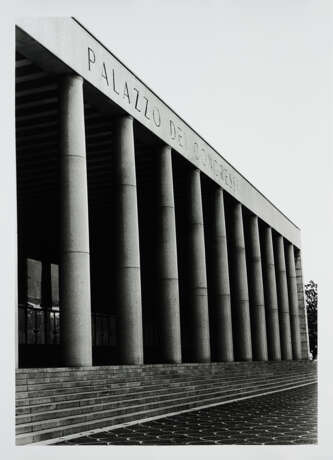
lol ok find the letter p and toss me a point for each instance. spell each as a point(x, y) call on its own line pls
point(91, 58)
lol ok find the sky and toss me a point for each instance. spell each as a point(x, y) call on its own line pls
point(254, 79)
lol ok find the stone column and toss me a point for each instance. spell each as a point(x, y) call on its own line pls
point(166, 260)
point(74, 241)
point(196, 269)
point(304, 331)
point(293, 302)
point(241, 291)
point(272, 312)
point(129, 316)
point(259, 336)
point(221, 301)
point(283, 301)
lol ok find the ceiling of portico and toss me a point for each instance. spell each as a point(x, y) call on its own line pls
point(37, 150)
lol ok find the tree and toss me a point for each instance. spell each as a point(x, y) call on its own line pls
point(311, 299)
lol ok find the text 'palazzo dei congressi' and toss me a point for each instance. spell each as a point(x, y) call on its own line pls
point(137, 242)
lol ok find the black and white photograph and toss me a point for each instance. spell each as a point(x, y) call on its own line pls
point(167, 192)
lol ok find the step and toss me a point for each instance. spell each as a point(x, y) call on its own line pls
point(106, 378)
point(123, 391)
point(106, 381)
point(104, 396)
point(52, 396)
point(64, 430)
point(52, 373)
point(24, 419)
point(51, 423)
point(144, 389)
point(65, 385)
point(37, 401)
point(21, 427)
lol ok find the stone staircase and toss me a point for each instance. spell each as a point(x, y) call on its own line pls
point(55, 402)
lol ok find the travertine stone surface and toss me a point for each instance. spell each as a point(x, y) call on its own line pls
point(256, 290)
point(74, 228)
point(241, 291)
point(166, 260)
point(129, 308)
point(197, 277)
point(221, 301)
point(272, 313)
point(283, 300)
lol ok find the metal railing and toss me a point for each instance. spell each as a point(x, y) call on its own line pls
point(38, 326)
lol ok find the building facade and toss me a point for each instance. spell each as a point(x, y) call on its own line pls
point(137, 242)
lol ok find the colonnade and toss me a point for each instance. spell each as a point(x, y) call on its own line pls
point(254, 301)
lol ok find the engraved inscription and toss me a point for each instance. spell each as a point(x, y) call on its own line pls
point(92, 61)
point(137, 100)
point(156, 116)
point(180, 136)
point(114, 82)
point(198, 154)
point(91, 58)
point(146, 108)
point(132, 95)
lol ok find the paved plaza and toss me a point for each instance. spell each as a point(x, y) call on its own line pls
point(288, 417)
